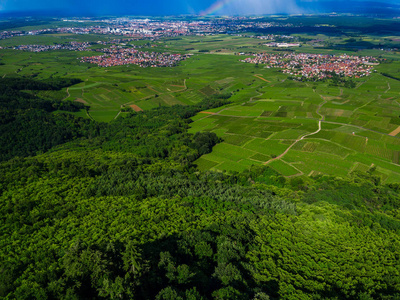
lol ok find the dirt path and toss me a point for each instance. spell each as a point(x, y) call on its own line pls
point(388, 88)
point(363, 105)
point(68, 95)
point(259, 77)
point(294, 143)
point(89, 116)
point(251, 99)
point(295, 175)
point(304, 136)
point(184, 87)
point(117, 115)
point(319, 108)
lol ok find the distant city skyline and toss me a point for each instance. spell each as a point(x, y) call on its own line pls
point(196, 7)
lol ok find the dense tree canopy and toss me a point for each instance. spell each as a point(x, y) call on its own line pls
point(119, 211)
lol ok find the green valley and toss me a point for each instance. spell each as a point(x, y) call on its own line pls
point(197, 157)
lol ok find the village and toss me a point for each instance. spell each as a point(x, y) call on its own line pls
point(72, 46)
point(117, 56)
point(76, 46)
point(316, 66)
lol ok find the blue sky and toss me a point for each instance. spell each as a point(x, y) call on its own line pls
point(168, 7)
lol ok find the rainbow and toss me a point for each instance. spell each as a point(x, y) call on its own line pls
point(215, 7)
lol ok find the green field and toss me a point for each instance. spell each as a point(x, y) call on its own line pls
point(269, 113)
point(213, 179)
point(355, 128)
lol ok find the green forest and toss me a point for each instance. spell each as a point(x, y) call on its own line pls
point(119, 210)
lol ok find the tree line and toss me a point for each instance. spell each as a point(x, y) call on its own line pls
point(120, 211)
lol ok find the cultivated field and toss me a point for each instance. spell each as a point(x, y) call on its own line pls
point(297, 128)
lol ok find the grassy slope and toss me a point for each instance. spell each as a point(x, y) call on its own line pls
point(264, 119)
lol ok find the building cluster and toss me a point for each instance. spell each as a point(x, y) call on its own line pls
point(153, 29)
point(282, 45)
point(117, 56)
point(78, 46)
point(316, 66)
point(269, 37)
point(72, 46)
point(9, 34)
point(13, 33)
point(122, 41)
point(172, 28)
